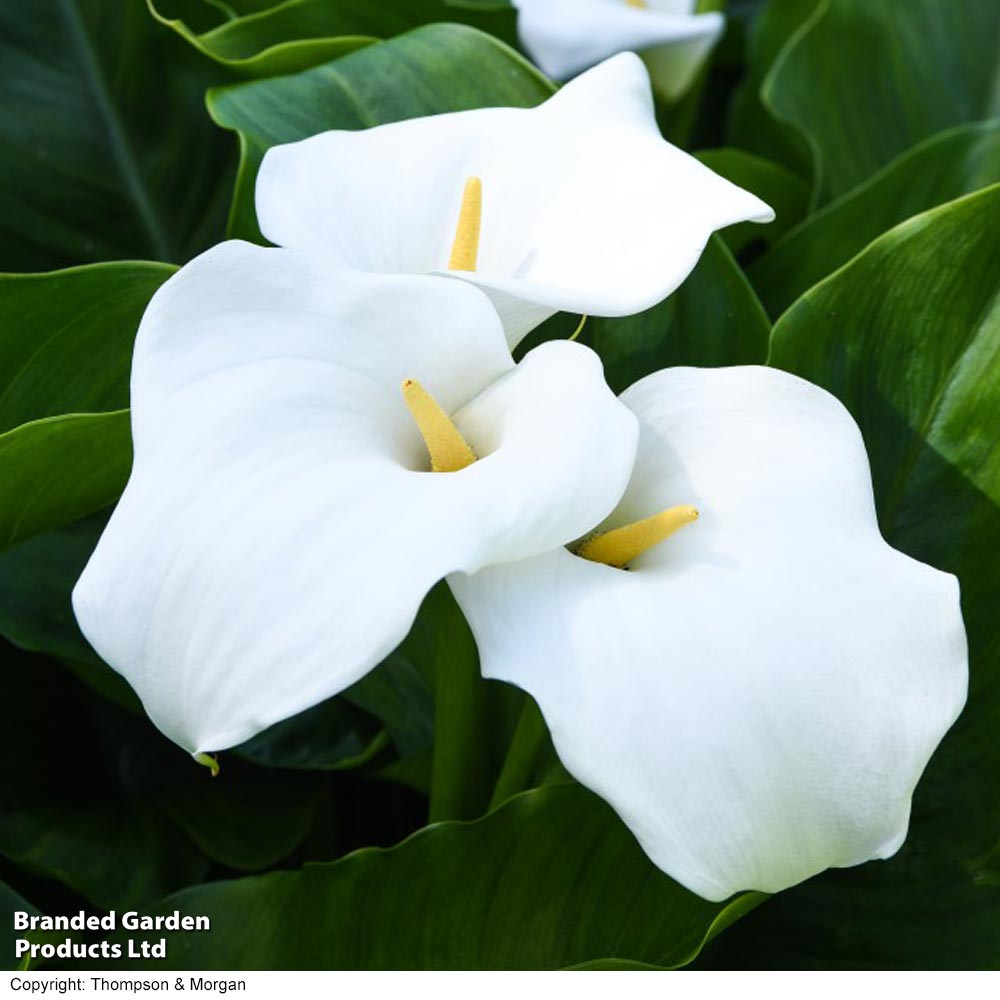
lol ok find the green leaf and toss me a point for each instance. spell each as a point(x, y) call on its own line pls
point(551, 879)
point(78, 779)
point(243, 819)
point(614, 965)
point(432, 70)
point(463, 770)
point(106, 146)
point(713, 319)
point(752, 124)
point(864, 80)
point(271, 42)
point(786, 193)
point(299, 34)
point(36, 580)
point(944, 167)
point(908, 336)
point(65, 351)
point(240, 8)
point(330, 736)
point(728, 914)
point(57, 469)
point(10, 903)
point(66, 338)
point(399, 696)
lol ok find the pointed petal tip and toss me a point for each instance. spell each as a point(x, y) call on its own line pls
point(617, 75)
point(763, 212)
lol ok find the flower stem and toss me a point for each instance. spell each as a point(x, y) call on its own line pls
point(526, 744)
point(461, 772)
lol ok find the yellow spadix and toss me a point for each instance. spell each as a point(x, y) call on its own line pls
point(620, 546)
point(449, 451)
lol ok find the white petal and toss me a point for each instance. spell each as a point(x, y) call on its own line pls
point(278, 532)
point(758, 696)
point(585, 207)
point(566, 37)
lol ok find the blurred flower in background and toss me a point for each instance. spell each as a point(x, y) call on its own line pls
point(566, 37)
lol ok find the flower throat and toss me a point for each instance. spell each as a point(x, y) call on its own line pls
point(450, 452)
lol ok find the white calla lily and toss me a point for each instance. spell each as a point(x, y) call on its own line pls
point(280, 527)
point(577, 205)
point(758, 695)
point(566, 37)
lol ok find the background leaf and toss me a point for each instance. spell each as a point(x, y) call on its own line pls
point(752, 124)
point(78, 808)
point(65, 352)
point(913, 69)
point(106, 147)
point(60, 468)
point(66, 338)
point(551, 879)
point(243, 819)
point(299, 34)
point(10, 902)
point(944, 167)
point(330, 736)
point(36, 580)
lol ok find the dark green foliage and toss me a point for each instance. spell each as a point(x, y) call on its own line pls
point(870, 125)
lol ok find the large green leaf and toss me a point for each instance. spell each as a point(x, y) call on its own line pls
point(908, 336)
point(65, 350)
point(864, 80)
point(106, 147)
point(551, 879)
point(432, 70)
point(299, 34)
point(944, 167)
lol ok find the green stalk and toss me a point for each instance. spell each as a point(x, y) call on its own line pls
point(527, 743)
point(461, 773)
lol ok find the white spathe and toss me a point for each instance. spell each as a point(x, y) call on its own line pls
point(758, 695)
point(585, 207)
point(278, 532)
point(566, 37)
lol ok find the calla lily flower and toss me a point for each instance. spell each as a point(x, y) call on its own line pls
point(282, 523)
point(566, 37)
point(576, 205)
point(757, 694)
